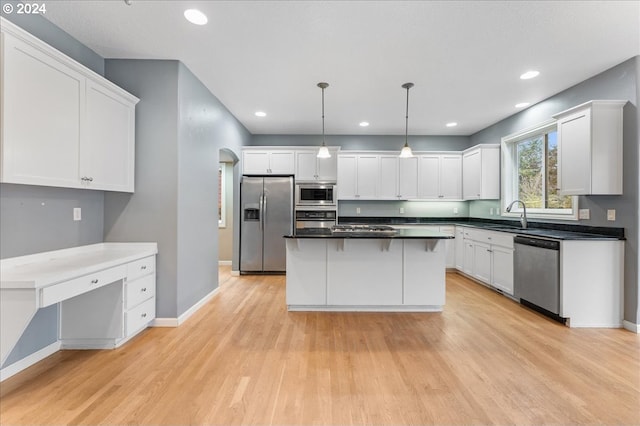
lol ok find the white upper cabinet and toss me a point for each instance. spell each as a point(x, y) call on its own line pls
point(440, 176)
point(63, 125)
point(108, 148)
point(388, 177)
point(481, 172)
point(311, 168)
point(358, 176)
point(590, 149)
point(407, 178)
point(268, 161)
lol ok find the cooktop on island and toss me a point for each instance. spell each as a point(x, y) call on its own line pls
point(363, 230)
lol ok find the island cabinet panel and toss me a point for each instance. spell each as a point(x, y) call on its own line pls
point(307, 268)
point(364, 272)
point(423, 272)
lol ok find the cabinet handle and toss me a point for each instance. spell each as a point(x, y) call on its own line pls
point(94, 281)
point(90, 179)
point(440, 196)
point(144, 315)
point(143, 267)
point(488, 238)
point(489, 250)
point(143, 289)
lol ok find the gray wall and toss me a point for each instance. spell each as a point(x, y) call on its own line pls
point(366, 142)
point(619, 82)
point(151, 212)
point(35, 219)
point(58, 38)
point(180, 127)
point(225, 235)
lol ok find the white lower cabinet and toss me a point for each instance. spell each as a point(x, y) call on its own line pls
point(108, 316)
point(482, 262)
point(486, 256)
point(502, 269)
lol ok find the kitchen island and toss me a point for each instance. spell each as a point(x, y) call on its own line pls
point(366, 270)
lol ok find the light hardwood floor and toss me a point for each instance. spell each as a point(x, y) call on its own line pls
point(243, 359)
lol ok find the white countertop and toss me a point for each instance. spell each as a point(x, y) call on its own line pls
point(48, 268)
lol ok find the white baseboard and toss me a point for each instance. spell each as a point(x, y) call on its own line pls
point(235, 273)
point(224, 262)
point(28, 361)
point(631, 326)
point(175, 322)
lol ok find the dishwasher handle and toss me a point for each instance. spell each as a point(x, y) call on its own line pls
point(537, 242)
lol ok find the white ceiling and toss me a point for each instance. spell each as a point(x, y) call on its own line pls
point(465, 57)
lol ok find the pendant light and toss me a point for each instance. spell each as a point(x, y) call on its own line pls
point(406, 149)
point(323, 152)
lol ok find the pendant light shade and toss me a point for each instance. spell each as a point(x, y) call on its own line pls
point(406, 149)
point(323, 152)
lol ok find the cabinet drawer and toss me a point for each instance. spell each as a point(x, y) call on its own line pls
point(503, 239)
point(68, 289)
point(140, 316)
point(140, 290)
point(141, 267)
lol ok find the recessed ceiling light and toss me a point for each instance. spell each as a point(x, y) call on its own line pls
point(260, 114)
point(195, 16)
point(529, 74)
point(522, 104)
point(364, 123)
point(452, 124)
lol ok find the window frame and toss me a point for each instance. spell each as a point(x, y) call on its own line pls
point(509, 176)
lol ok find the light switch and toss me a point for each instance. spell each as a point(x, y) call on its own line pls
point(357, 210)
point(611, 214)
point(401, 210)
point(583, 214)
point(77, 213)
point(491, 211)
point(455, 210)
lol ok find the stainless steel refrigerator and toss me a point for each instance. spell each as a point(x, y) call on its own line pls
point(267, 215)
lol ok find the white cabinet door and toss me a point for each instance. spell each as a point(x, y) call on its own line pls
point(408, 178)
point(347, 177)
point(471, 179)
point(429, 176)
point(281, 163)
point(328, 167)
point(41, 115)
point(450, 246)
point(306, 168)
point(306, 272)
point(367, 179)
point(502, 269)
point(108, 145)
point(590, 148)
point(388, 177)
point(469, 253)
point(574, 137)
point(255, 162)
point(482, 262)
point(459, 243)
point(451, 177)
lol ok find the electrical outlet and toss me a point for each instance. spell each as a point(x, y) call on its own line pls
point(455, 210)
point(77, 213)
point(611, 214)
point(357, 210)
point(583, 214)
point(491, 211)
point(401, 210)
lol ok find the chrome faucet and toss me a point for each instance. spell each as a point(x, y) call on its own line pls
point(523, 216)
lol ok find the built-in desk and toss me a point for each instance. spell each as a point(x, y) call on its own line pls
point(106, 293)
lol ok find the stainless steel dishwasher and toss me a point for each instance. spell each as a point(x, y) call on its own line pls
point(536, 269)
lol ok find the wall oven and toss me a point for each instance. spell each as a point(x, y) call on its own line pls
point(315, 195)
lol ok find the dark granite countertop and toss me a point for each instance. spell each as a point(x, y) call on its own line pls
point(556, 231)
point(422, 234)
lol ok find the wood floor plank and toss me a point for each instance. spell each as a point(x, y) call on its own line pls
point(243, 359)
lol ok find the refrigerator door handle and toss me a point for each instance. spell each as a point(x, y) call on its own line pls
point(261, 208)
point(264, 210)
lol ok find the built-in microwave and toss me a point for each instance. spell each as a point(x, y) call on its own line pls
point(316, 194)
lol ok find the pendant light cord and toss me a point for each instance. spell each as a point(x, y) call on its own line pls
point(406, 118)
point(322, 115)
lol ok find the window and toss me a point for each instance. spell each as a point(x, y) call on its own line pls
point(530, 174)
point(222, 195)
